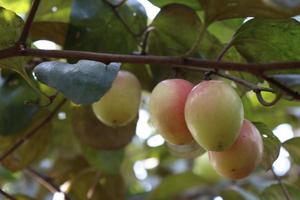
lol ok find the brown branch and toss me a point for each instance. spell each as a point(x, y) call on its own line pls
point(187, 63)
point(163, 60)
point(9, 52)
point(45, 181)
point(254, 68)
point(28, 23)
point(8, 196)
point(283, 188)
point(32, 132)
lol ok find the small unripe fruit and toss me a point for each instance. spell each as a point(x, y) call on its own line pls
point(167, 110)
point(120, 105)
point(214, 114)
point(242, 157)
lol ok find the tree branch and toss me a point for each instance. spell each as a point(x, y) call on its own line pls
point(8, 196)
point(28, 23)
point(32, 132)
point(45, 181)
point(163, 60)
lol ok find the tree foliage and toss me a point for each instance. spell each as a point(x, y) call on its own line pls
point(49, 136)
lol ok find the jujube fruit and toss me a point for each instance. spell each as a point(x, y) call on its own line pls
point(166, 108)
point(120, 105)
point(242, 157)
point(214, 114)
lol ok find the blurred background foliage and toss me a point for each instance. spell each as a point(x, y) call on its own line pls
point(88, 160)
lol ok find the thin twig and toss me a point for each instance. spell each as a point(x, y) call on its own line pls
point(144, 43)
point(31, 133)
point(45, 181)
point(244, 83)
point(28, 23)
point(283, 188)
point(8, 196)
point(224, 50)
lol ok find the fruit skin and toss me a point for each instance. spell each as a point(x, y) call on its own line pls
point(242, 157)
point(120, 105)
point(166, 108)
point(214, 114)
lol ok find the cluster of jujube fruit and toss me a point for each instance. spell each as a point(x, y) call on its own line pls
point(210, 114)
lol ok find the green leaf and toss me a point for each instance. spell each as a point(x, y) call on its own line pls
point(11, 26)
point(293, 147)
point(191, 3)
point(62, 123)
point(15, 114)
point(54, 11)
point(176, 29)
point(6, 175)
point(275, 192)
point(266, 40)
point(92, 185)
point(84, 82)
point(271, 145)
point(226, 9)
point(107, 162)
point(32, 149)
point(90, 131)
point(18, 6)
point(225, 29)
point(53, 31)
point(52, 21)
point(95, 26)
point(174, 185)
point(66, 166)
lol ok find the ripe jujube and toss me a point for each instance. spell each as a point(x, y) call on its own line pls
point(166, 108)
point(214, 114)
point(242, 157)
